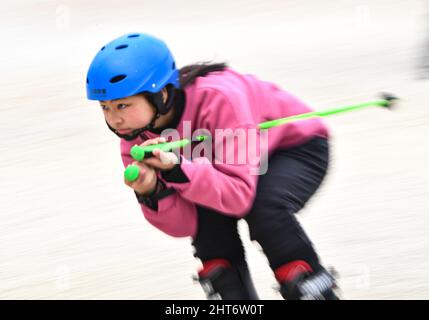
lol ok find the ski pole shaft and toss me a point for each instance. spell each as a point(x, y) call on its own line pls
point(323, 113)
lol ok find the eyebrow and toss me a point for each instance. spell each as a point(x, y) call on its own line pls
point(113, 100)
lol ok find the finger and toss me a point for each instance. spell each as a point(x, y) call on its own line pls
point(167, 158)
point(142, 167)
point(141, 179)
point(156, 152)
point(162, 156)
point(161, 159)
point(153, 162)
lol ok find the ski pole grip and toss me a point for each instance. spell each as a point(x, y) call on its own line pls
point(131, 173)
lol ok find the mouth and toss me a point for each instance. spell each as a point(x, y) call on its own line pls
point(124, 131)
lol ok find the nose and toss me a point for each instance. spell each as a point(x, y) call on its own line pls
point(114, 120)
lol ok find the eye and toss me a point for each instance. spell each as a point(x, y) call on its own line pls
point(103, 107)
point(122, 106)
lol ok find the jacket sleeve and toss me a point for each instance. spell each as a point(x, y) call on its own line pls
point(168, 210)
point(218, 184)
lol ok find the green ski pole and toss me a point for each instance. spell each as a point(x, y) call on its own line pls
point(139, 153)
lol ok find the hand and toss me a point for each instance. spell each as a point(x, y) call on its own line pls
point(161, 160)
point(147, 180)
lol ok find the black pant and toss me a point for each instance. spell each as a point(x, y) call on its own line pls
point(292, 177)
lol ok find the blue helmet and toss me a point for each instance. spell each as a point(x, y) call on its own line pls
point(131, 64)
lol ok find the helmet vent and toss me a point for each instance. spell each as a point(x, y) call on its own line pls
point(133, 36)
point(103, 48)
point(87, 81)
point(118, 78)
point(173, 66)
point(122, 46)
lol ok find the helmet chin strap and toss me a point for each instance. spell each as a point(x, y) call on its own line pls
point(133, 135)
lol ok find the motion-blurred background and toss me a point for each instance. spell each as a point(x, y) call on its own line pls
point(70, 228)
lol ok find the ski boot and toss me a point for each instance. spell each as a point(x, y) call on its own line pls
point(298, 282)
point(222, 280)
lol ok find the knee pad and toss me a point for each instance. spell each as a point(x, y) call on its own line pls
point(223, 280)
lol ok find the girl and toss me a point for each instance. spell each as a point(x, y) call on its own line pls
point(142, 93)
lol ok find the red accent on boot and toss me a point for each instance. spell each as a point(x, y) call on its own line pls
point(209, 265)
point(288, 272)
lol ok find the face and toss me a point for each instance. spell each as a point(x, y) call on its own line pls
point(127, 114)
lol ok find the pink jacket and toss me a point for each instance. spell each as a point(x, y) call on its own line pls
point(222, 100)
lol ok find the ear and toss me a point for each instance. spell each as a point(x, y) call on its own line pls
point(164, 95)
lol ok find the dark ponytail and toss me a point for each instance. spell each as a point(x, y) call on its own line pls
point(189, 73)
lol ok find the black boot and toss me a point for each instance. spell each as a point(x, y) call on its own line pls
point(222, 280)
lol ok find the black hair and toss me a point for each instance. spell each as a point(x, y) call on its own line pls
point(176, 96)
point(189, 73)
